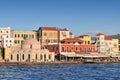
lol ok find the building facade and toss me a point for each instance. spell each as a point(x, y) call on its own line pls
point(52, 35)
point(19, 36)
point(64, 33)
point(86, 39)
point(115, 43)
point(105, 44)
point(30, 51)
point(48, 35)
point(72, 45)
point(6, 37)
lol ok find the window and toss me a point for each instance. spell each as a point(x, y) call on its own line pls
point(44, 57)
point(15, 35)
point(31, 46)
point(29, 57)
point(1, 31)
point(56, 48)
point(6, 31)
point(17, 57)
point(15, 41)
point(18, 35)
point(36, 56)
point(18, 42)
point(76, 48)
point(85, 42)
point(71, 48)
point(6, 36)
point(10, 41)
point(23, 56)
point(40, 56)
point(22, 36)
point(6, 41)
point(62, 48)
point(98, 42)
point(49, 56)
point(88, 42)
point(67, 49)
point(11, 57)
point(32, 36)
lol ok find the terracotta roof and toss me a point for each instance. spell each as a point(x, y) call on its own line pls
point(81, 36)
point(72, 40)
point(48, 28)
point(63, 29)
point(108, 38)
point(99, 34)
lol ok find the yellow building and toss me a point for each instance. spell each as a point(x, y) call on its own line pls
point(19, 36)
point(48, 35)
point(115, 45)
point(52, 35)
point(85, 38)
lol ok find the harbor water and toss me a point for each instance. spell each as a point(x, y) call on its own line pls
point(109, 71)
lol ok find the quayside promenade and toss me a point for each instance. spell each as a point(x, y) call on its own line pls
point(83, 61)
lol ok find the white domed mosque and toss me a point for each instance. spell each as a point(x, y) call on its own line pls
point(30, 51)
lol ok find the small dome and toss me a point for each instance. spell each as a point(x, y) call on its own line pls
point(30, 44)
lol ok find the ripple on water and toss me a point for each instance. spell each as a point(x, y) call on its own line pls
point(61, 72)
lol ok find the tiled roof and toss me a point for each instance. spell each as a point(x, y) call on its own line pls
point(108, 38)
point(72, 40)
point(99, 34)
point(63, 29)
point(48, 28)
point(81, 36)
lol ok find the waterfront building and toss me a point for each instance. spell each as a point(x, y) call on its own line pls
point(119, 45)
point(106, 44)
point(115, 43)
point(30, 51)
point(48, 35)
point(64, 33)
point(19, 36)
point(86, 39)
point(52, 35)
point(72, 45)
point(6, 37)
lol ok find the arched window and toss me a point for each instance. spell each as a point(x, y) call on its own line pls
point(36, 56)
point(44, 57)
point(11, 57)
point(29, 57)
point(49, 56)
point(23, 56)
point(41, 57)
point(17, 57)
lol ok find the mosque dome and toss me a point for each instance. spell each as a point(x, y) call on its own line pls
point(30, 44)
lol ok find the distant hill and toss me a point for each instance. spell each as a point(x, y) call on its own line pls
point(117, 36)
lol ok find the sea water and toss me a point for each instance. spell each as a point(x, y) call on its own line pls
point(109, 71)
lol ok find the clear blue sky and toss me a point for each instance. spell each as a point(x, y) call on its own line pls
point(79, 16)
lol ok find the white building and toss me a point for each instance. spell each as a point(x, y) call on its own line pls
point(6, 38)
point(104, 43)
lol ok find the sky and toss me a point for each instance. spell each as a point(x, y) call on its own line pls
point(78, 16)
